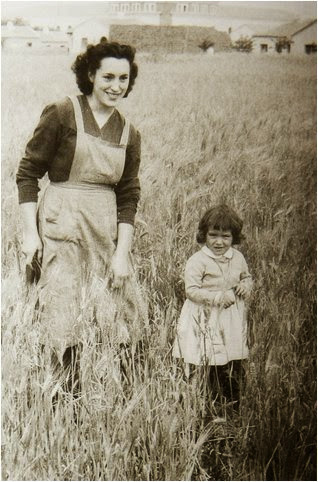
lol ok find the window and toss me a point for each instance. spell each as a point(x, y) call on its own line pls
point(311, 48)
point(264, 48)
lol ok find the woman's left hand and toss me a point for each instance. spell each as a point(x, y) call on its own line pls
point(120, 270)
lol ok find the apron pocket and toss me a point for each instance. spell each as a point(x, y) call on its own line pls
point(52, 204)
point(56, 216)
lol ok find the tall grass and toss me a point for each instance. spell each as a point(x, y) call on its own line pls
point(231, 127)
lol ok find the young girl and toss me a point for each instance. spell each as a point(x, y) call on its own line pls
point(212, 325)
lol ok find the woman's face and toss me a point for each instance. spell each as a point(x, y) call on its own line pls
point(110, 81)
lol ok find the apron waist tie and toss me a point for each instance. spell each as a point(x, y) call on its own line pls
point(85, 186)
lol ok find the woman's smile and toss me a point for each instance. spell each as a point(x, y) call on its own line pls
point(112, 95)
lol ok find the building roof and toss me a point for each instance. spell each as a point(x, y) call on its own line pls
point(287, 29)
point(251, 27)
point(17, 31)
point(308, 24)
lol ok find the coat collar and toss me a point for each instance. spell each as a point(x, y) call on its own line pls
point(228, 254)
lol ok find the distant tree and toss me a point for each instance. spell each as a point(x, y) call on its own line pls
point(243, 44)
point(103, 39)
point(20, 22)
point(282, 44)
point(206, 44)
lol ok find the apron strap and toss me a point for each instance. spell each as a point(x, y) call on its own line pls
point(78, 113)
point(125, 134)
point(80, 122)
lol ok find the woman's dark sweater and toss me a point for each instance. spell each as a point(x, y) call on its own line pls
point(52, 149)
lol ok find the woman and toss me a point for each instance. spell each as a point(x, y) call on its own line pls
point(82, 232)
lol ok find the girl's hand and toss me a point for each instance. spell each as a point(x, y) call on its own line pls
point(242, 290)
point(224, 299)
point(228, 298)
point(120, 270)
point(32, 245)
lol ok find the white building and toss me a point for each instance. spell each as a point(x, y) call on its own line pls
point(223, 17)
point(89, 32)
point(201, 14)
point(17, 38)
point(304, 40)
point(299, 37)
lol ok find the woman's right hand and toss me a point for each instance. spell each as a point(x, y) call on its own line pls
point(32, 245)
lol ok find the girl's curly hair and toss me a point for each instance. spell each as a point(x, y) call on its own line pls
point(223, 218)
point(88, 62)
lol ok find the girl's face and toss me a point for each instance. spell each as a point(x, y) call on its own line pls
point(110, 81)
point(218, 241)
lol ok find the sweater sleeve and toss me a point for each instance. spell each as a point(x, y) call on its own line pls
point(245, 276)
point(194, 273)
point(128, 189)
point(38, 156)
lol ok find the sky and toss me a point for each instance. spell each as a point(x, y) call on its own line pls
point(29, 9)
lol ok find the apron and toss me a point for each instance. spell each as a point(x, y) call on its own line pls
point(78, 228)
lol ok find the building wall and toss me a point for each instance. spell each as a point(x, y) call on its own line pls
point(56, 47)
point(306, 36)
point(258, 42)
point(16, 44)
point(131, 7)
point(137, 19)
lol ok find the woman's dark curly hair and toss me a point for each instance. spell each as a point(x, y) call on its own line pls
point(223, 218)
point(90, 61)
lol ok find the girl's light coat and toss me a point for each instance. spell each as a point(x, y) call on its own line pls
point(206, 332)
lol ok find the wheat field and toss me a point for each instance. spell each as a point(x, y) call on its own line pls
point(230, 127)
